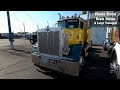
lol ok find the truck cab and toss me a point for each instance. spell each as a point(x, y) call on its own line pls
point(77, 30)
point(63, 48)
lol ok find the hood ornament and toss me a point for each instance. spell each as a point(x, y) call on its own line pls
point(47, 29)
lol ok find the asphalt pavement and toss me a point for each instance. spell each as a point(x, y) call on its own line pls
point(17, 63)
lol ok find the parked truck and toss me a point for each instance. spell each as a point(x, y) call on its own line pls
point(63, 48)
point(111, 39)
point(115, 58)
point(115, 54)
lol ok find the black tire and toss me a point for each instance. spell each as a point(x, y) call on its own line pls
point(89, 49)
point(90, 44)
point(83, 62)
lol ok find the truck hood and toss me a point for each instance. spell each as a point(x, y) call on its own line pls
point(49, 29)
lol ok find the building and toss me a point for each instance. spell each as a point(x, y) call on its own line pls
point(98, 33)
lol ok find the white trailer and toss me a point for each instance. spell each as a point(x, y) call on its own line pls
point(98, 35)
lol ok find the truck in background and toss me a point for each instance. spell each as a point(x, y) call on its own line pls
point(115, 54)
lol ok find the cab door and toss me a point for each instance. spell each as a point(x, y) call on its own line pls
point(81, 34)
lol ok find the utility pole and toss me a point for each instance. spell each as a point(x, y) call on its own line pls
point(10, 33)
point(88, 13)
point(37, 27)
point(24, 30)
point(48, 23)
point(24, 27)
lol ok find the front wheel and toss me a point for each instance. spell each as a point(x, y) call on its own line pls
point(81, 62)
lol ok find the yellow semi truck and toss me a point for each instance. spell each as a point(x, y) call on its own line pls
point(63, 48)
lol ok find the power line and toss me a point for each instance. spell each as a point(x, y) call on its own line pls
point(30, 17)
point(7, 26)
point(21, 31)
point(17, 21)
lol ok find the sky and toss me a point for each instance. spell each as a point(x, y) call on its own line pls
point(31, 19)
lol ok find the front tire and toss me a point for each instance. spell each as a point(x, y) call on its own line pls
point(81, 62)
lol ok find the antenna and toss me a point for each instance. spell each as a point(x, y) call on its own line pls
point(66, 13)
point(59, 16)
point(24, 27)
point(37, 27)
point(47, 23)
point(75, 15)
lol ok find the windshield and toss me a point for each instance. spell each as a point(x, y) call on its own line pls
point(72, 24)
point(62, 24)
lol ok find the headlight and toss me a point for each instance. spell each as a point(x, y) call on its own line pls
point(66, 51)
point(35, 48)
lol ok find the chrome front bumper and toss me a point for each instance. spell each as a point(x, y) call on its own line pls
point(68, 67)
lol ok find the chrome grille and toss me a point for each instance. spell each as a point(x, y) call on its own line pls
point(49, 42)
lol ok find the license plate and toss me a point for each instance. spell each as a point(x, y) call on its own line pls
point(51, 61)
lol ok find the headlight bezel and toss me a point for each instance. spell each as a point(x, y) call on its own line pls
point(66, 51)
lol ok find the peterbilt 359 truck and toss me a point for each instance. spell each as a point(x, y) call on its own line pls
point(63, 48)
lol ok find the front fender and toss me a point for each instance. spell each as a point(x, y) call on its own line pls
point(76, 51)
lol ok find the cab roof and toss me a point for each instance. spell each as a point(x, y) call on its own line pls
point(65, 19)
